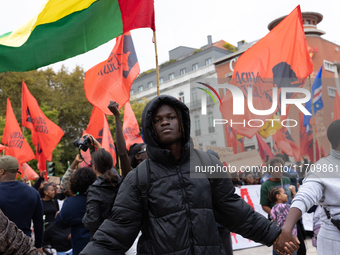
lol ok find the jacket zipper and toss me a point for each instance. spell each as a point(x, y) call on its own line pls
point(188, 214)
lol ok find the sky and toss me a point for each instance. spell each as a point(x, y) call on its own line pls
point(187, 23)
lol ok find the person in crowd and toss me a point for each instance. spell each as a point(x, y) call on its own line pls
point(280, 210)
point(74, 208)
point(101, 195)
point(249, 179)
point(175, 209)
point(323, 188)
point(236, 180)
point(276, 165)
point(40, 182)
point(67, 175)
point(58, 239)
point(20, 202)
point(120, 141)
point(137, 154)
point(13, 240)
point(50, 204)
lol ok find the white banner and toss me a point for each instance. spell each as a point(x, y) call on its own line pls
point(251, 194)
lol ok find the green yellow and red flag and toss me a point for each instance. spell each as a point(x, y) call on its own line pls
point(66, 28)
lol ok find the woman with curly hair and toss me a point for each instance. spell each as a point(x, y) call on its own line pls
point(74, 208)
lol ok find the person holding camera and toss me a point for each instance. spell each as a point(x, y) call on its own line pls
point(321, 186)
point(102, 193)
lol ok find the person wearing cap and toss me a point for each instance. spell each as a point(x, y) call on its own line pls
point(20, 202)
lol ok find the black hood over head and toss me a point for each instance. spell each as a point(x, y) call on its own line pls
point(153, 149)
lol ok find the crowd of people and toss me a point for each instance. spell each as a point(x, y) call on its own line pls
point(155, 206)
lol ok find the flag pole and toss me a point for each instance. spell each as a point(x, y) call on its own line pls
point(319, 138)
point(157, 68)
point(313, 119)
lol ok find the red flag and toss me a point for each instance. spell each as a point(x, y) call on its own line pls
point(231, 138)
point(43, 130)
point(240, 143)
point(99, 128)
point(112, 78)
point(305, 138)
point(336, 110)
point(27, 171)
point(285, 142)
point(86, 156)
point(264, 148)
point(317, 148)
point(2, 147)
point(280, 59)
point(130, 127)
point(17, 146)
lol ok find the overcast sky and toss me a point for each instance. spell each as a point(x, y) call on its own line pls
point(188, 23)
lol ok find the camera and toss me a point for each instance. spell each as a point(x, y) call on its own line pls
point(82, 143)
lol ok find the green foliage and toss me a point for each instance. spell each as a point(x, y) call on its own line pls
point(146, 72)
point(230, 47)
point(62, 98)
point(166, 63)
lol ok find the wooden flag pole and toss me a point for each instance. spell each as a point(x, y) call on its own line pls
point(157, 68)
point(312, 103)
point(319, 138)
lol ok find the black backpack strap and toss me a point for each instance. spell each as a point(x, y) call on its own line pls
point(143, 185)
point(203, 157)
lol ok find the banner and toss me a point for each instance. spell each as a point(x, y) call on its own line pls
point(244, 160)
point(130, 127)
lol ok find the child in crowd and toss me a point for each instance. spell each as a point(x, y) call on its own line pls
point(280, 210)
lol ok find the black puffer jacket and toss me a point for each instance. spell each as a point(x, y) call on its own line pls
point(100, 198)
point(182, 210)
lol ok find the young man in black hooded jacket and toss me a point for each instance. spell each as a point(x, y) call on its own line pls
point(181, 211)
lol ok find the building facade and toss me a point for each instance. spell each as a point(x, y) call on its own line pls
point(185, 66)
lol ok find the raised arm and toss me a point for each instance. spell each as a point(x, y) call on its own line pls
point(121, 145)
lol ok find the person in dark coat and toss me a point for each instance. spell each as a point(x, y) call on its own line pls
point(73, 210)
point(182, 211)
point(101, 195)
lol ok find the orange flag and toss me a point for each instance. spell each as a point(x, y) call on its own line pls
point(264, 149)
point(86, 156)
point(285, 143)
point(336, 110)
point(231, 138)
point(2, 147)
point(99, 128)
point(17, 146)
point(278, 60)
point(28, 171)
point(112, 78)
point(130, 127)
point(44, 131)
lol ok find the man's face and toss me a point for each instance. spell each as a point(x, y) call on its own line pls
point(166, 125)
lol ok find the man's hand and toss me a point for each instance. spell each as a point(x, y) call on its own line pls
point(286, 243)
point(93, 141)
point(40, 250)
point(114, 108)
point(78, 159)
point(42, 174)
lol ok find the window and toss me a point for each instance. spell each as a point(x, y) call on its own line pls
point(194, 100)
point(161, 80)
point(171, 76)
point(181, 97)
point(208, 61)
point(195, 66)
point(213, 143)
point(329, 66)
point(331, 91)
point(183, 71)
point(197, 126)
point(313, 22)
point(308, 22)
point(150, 84)
point(131, 92)
point(211, 122)
point(140, 88)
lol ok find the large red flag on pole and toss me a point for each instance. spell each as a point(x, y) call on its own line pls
point(285, 143)
point(130, 127)
point(27, 171)
point(336, 110)
point(112, 78)
point(278, 60)
point(17, 146)
point(99, 128)
point(44, 131)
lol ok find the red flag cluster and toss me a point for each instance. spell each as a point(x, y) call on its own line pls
point(130, 127)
